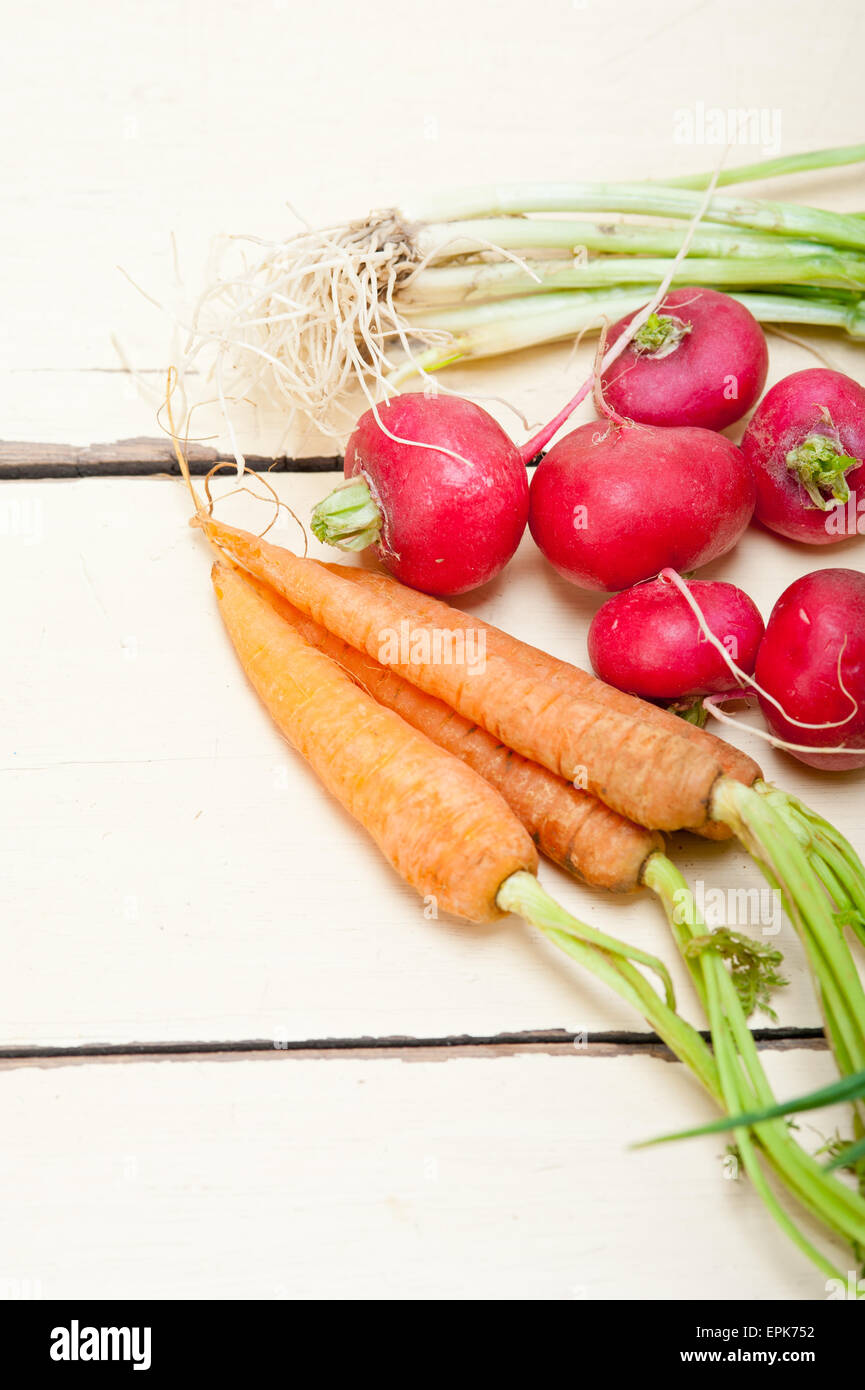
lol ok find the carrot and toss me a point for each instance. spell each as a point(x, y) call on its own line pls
point(655, 778)
point(409, 794)
point(646, 774)
point(441, 827)
point(733, 761)
point(569, 826)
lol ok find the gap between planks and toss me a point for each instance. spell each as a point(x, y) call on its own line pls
point(553, 1044)
point(137, 458)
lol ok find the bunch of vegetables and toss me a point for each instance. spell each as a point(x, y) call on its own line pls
point(308, 320)
point(462, 773)
point(459, 777)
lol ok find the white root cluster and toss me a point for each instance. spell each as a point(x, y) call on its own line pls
point(306, 321)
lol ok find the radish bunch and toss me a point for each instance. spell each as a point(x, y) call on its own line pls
point(441, 492)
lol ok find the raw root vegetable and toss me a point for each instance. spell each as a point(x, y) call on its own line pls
point(435, 484)
point(612, 506)
point(378, 767)
point(647, 774)
point(587, 839)
point(441, 826)
point(806, 446)
point(732, 760)
point(701, 359)
point(569, 826)
point(647, 640)
point(812, 662)
point(650, 776)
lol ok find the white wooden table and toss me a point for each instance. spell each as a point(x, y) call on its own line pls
point(235, 1059)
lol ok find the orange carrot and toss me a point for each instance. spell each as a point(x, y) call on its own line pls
point(448, 833)
point(648, 775)
point(734, 762)
point(569, 826)
point(442, 827)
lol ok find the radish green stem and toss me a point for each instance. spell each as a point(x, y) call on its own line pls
point(820, 467)
point(348, 517)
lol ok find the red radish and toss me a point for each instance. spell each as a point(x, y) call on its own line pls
point(806, 445)
point(647, 640)
point(611, 508)
point(701, 359)
point(443, 519)
point(814, 651)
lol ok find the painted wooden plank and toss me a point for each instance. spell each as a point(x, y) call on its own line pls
point(467, 1179)
point(140, 163)
point(171, 871)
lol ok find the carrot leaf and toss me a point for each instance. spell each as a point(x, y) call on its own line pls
point(753, 966)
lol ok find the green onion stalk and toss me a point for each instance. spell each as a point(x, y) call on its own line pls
point(842, 1154)
point(800, 253)
point(644, 200)
point(510, 325)
point(447, 241)
point(781, 167)
point(471, 284)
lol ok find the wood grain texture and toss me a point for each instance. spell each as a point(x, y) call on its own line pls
point(476, 1179)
